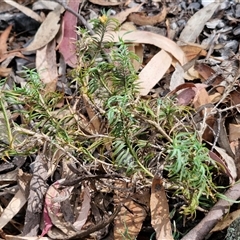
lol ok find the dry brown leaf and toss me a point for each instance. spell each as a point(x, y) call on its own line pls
point(107, 2)
point(150, 38)
point(11, 55)
point(45, 4)
point(181, 87)
point(207, 72)
point(160, 210)
point(177, 77)
point(4, 72)
point(191, 74)
point(201, 98)
point(197, 22)
point(235, 99)
point(129, 221)
point(122, 16)
point(198, 94)
point(47, 31)
point(83, 214)
point(47, 67)
point(185, 96)
point(12, 208)
point(153, 72)
point(3, 40)
point(225, 222)
point(131, 217)
point(221, 163)
point(229, 162)
point(4, 7)
point(215, 97)
point(128, 26)
point(141, 18)
point(93, 117)
point(234, 132)
point(192, 51)
point(27, 11)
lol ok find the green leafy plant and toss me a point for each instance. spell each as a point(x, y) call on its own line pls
point(139, 128)
point(189, 166)
point(137, 135)
point(37, 113)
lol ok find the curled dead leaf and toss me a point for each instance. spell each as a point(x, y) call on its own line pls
point(3, 40)
point(145, 37)
point(226, 221)
point(122, 16)
point(192, 51)
point(47, 31)
point(141, 18)
point(221, 163)
point(229, 161)
point(4, 72)
point(47, 67)
point(27, 11)
point(153, 72)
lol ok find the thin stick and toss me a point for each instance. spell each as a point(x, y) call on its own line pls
point(79, 16)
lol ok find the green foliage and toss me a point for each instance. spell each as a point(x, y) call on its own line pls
point(111, 85)
point(189, 166)
point(138, 129)
point(138, 133)
point(37, 113)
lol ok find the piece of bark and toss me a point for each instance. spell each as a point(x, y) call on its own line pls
point(38, 188)
point(219, 209)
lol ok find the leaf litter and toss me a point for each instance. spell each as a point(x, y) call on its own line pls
point(194, 56)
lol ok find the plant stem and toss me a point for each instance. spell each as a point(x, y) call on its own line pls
point(9, 132)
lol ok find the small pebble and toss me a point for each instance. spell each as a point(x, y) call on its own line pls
point(237, 12)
